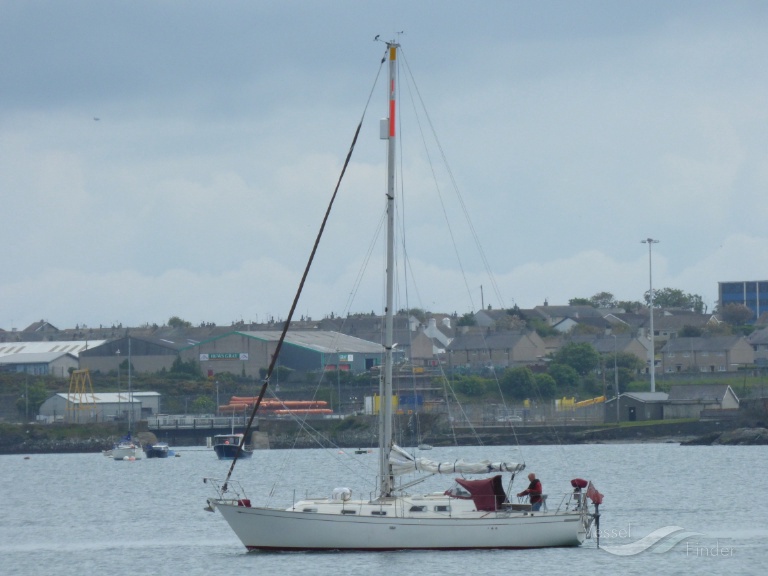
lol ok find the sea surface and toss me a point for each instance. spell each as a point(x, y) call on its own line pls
point(75, 514)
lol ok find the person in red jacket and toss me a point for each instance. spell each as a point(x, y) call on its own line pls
point(533, 492)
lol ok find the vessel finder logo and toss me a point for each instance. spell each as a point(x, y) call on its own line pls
point(659, 541)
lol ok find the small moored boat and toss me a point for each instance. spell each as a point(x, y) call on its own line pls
point(227, 445)
point(126, 449)
point(158, 450)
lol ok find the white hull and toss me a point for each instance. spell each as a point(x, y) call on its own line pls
point(273, 529)
point(129, 452)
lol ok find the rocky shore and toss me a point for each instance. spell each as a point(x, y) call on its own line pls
point(738, 437)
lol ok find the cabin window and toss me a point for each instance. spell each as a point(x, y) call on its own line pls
point(418, 509)
point(442, 508)
point(309, 510)
point(348, 512)
point(379, 512)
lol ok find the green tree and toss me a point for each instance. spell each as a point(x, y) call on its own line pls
point(185, 368)
point(689, 331)
point(545, 386)
point(417, 313)
point(176, 322)
point(675, 298)
point(628, 366)
point(629, 361)
point(470, 386)
point(603, 300)
point(203, 405)
point(518, 382)
point(630, 306)
point(467, 319)
point(582, 357)
point(736, 314)
point(625, 377)
point(541, 327)
point(37, 393)
point(566, 377)
point(719, 329)
point(509, 322)
point(579, 302)
point(621, 329)
point(592, 386)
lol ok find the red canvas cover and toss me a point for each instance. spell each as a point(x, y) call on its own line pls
point(487, 493)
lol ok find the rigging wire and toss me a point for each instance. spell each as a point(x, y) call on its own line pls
point(276, 354)
point(413, 89)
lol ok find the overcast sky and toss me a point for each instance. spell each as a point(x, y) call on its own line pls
point(163, 158)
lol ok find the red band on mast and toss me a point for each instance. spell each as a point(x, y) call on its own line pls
point(392, 57)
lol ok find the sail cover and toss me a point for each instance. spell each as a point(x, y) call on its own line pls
point(487, 493)
point(403, 463)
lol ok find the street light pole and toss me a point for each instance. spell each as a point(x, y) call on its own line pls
point(615, 378)
point(652, 351)
point(119, 404)
point(338, 376)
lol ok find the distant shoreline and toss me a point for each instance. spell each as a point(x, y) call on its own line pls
point(684, 433)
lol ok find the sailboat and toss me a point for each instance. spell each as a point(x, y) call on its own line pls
point(128, 448)
point(476, 514)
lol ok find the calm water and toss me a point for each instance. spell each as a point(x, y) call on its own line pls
point(85, 514)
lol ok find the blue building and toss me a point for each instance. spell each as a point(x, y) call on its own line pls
point(752, 294)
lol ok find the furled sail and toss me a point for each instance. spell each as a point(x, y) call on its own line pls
point(402, 463)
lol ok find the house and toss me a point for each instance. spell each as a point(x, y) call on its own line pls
point(636, 407)
point(759, 342)
point(428, 342)
point(691, 401)
point(607, 345)
point(593, 324)
point(41, 328)
point(554, 315)
point(670, 322)
point(490, 317)
point(439, 329)
point(714, 354)
point(475, 350)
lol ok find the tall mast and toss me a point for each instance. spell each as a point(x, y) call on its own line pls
point(130, 390)
point(385, 411)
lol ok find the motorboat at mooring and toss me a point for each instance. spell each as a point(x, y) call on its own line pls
point(226, 446)
point(158, 450)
